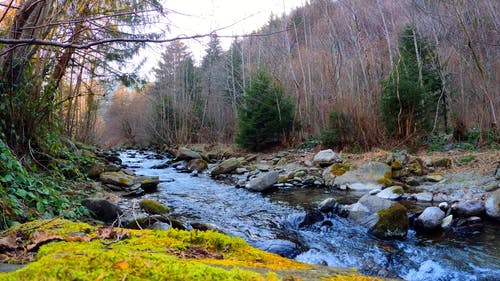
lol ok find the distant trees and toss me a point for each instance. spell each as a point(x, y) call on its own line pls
point(266, 115)
point(410, 93)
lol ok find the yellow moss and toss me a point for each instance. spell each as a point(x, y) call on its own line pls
point(153, 208)
point(152, 255)
point(339, 169)
point(350, 277)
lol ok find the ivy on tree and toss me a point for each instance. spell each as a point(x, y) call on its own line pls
point(266, 115)
point(410, 93)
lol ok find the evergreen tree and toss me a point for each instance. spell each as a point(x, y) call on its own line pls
point(409, 94)
point(266, 115)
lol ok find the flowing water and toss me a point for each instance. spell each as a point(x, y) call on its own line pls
point(260, 218)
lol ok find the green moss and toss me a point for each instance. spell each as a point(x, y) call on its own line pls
point(339, 169)
point(396, 165)
point(392, 223)
point(153, 208)
point(158, 255)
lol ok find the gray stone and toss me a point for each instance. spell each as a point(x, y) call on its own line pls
point(422, 196)
point(434, 177)
point(117, 178)
point(325, 158)
point(149, 183)
point(391, 193)
point(226, 167)
point(197, 164)
point(444, 206)
point(468, 208)
point(431, 218)
point(102, 210)
point(493, 205)
point(327, 205)
point(187, 154)
point(375, 191)
point(369, 176)
point(446, 224)
point(263, 181)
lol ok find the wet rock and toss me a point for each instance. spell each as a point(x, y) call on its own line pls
point(375, 191)
point(327, 205)
point(113, 187)
point(187, 154)
point(263, 182)
point(444, 206)
point(422, 196)
point(430, 219)
point(149, 183)
point(312, 217)
point(492, 205)
point(226, 167)
point(391, 222)
point(391, 193)
point(241, 171)
point(203, 226)
point(161, 166)
point(447, 221)
point(137, 192)
point(468, 208)
point(102, 210)
point(152, 207)
point(325, 158)
point(198, 164)
point(280, 247)
point(363, 211)
point(117, 178)
point(369, 176)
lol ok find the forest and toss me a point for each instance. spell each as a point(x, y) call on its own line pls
point(331, 76)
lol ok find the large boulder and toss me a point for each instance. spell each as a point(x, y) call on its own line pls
point(117, 178)
point(226, 167)
point(391, 193)
point(468, 208)
point(102, 210)
point(391, 222)
point(333, 171)
point(369, 176)
point(493, 205)
point(430, 219)
point(198, 164)
point(384, 218)
point(187, 154)
point(263, 181)
point(325, 158)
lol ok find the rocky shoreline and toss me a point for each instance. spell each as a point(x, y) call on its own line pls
point(397, 191)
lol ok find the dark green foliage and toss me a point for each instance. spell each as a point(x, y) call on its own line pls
point(410, 93)
point(339, 132)
point(26, 195)
point(266, 115)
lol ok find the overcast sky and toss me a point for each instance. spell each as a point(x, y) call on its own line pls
point(227, 17)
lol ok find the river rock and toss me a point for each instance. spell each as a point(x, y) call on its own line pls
point(446, 224)
point(102, 210)
point(398, 159)
point(430, 219)
point(197, 164)
point(263, 181)
point(468, 208)
point(149, 183)
point(187, 154)
point(391, 222)
point(362, 211)
point(280, 247)
point(391, 193)
point(434, 177)
point(422, 196)
point(226, 167)
point(325, 158)
point(312, 216)
point(327, 205)
point(369, 176)
point(117, 178)
point(493, 205)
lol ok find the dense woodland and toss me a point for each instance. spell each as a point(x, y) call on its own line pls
point(334, 59)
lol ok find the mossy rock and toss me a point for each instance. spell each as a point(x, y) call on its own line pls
point(416, 167)
point(155, 255)
point(153, 207)
point(339, 169)
point(392, 222)
point(396, 165)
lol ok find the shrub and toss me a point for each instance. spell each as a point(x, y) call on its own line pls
point(266, 115)
point(340, 131)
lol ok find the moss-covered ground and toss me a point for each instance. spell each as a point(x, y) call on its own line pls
point(77, 251)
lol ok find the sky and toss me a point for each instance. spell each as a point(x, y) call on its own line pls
point(227, 17)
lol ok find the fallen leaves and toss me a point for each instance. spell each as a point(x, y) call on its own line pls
point(195, 252)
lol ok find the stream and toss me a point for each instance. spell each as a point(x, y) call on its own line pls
point(272, 220)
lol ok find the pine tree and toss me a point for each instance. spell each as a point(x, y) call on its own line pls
point(266, 115)
point(409, 94)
